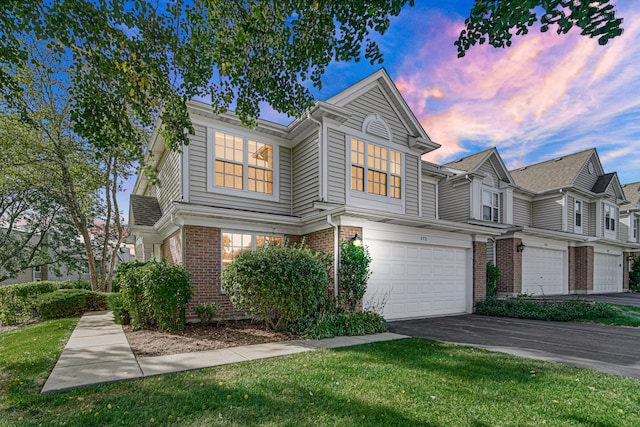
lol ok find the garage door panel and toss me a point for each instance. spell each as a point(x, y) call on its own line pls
point(417, 280)
point(607, 273)
point(543, 271)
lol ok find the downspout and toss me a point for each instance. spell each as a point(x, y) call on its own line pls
point(335, 256)
point(320, 157)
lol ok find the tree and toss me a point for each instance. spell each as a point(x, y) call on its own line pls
point(134, 62)
point(493, 21)
point(80, 176)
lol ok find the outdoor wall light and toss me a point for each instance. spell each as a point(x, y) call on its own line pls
point(629, 257)
point(356, 240)
point(520, 247)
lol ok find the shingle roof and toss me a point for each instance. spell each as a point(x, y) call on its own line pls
point(632, 194)
point(469, 163)
point(145, 210)
point(551, 174)
point(603, 182)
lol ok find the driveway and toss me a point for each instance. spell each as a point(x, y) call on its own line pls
point(626, 298)
point(611, 349)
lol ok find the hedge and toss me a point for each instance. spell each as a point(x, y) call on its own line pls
point(18, 301)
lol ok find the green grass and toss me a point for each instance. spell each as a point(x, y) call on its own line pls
point(398, 383)
point(625, 315)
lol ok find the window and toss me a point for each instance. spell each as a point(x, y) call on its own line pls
point(375, 168)
point(490, 206)
point(243, 164)
point(233, 244)
point(578, 212)
point(635, 224)
point(610, 213)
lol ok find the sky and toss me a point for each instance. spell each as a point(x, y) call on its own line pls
point(543, 97)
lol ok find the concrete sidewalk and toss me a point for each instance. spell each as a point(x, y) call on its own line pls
point(98, 352)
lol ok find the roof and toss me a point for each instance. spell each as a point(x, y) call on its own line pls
point(469, 163)
point(603, 182)
point(145, 210)
point(552, 174)
point(632, 194)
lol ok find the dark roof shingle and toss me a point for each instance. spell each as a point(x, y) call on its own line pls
point(632, 194)
point(145, 210)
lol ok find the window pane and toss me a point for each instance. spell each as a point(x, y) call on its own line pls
point(377, 183)
point(228, 175)
point(395, 187)
point(486, 213)
point(260, 154)
point(395, 161)
point(377, 157)
point(357, 151)
point(357, 178)
point(229, 147)
point(260, 180)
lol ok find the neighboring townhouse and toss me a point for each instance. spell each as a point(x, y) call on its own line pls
point(630, 221)
point(350, 166)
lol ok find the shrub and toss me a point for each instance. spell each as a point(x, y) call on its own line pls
point(120, 315)
point(155, 293)
point(328, 324)
point(207, 311)
point(544, 310)
point(353, 274)
point(76, 284)
point(62, 303)
point(493, 275)
point(279, 284)
point(634, 274)
point(96, 301)
point(18, 301)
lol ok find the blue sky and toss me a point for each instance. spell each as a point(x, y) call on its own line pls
point(543, 97)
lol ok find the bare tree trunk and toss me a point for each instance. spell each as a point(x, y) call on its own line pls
point(118, 227)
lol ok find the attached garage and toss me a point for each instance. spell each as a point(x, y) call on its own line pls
point(607, 273)
point(544, 271)
point(417, 279)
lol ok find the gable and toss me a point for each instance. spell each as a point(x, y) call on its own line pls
point(377, 96)
point(486, 162)
point(589, 173)
point(561, 172)
point(632, 194)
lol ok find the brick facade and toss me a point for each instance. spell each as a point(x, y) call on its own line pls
point(203, 255)
point(171, 248)
point(509, 261)
point(583, 271)
point(479, 272)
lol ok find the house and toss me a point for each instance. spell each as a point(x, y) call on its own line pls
point(351, 165)
point(561, 219)
point(630, 213)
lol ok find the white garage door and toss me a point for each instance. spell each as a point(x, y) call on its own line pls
point(543, 271)
point(607, 273)
point(417, 280)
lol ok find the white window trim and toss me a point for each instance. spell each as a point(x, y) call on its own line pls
point(578, 229)
point(634, 226)
point(364, 198)
point(211, 165)
point(494, 191)
point(610, 234)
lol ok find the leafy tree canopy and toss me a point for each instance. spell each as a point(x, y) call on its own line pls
point(494, 21)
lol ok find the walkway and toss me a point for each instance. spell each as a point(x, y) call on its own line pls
point(98, 352)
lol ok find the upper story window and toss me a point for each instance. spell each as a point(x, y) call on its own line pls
point(376, 169)
point(490, 206)
point(243, 164)
point(610, 215)
point(635, 224)
point(578, 213)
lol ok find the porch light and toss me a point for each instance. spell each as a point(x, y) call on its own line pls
point(630, 258)
point(520, 247)
point(356, 240)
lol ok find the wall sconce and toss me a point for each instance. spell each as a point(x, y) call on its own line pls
point(356, 240)
point(630, 258)
point(520, 247)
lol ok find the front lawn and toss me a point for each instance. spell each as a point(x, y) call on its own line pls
point(396, 383)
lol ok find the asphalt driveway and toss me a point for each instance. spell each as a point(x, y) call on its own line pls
point(611, 349)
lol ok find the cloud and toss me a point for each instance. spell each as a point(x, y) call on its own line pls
point(545, 94)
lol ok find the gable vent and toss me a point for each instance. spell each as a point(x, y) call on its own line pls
point(375, 125)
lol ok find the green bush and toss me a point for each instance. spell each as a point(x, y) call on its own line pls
point(207, 311)
point(62, 303)
point(328, 324)
point(18, 301)
point(76, 284)
point(120, 315)
point(634, 274)
point(96, 301)
point(353, 274)
point(545, 310)
point(493, 275)
point(279, 284)
point(155, 293)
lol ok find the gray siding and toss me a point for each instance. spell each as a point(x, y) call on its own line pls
point(374, 101)
point(487, 169)
point(591, 219)
point(454, 203)
point(198, 181)
point(547, 214)
point(521, 212)
point(428, 200)
point(585, 180)
point(336, 167)
point(571, 214)
point(411, 196)
point(169, 176)
point(305, 175)
point(624, 230)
